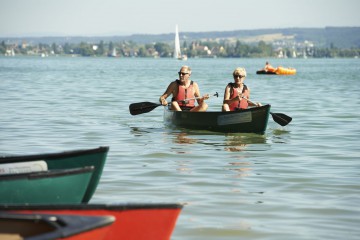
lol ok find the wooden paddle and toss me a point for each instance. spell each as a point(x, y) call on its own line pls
point(144, 107)
point(279, 118)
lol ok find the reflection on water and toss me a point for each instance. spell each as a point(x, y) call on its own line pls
point(183, 166)
point(239, 142)
point(140, 131)
point(182, 138)
point(238, 164)
point(280, 136)
point(136, 131)
point(231, 142)
point(241, 168)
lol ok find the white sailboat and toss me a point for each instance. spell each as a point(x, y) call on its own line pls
point(10, 52)
point(304, 54)
point(113, 54)
point(177, 51)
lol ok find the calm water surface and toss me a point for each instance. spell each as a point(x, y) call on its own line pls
point(295, 182)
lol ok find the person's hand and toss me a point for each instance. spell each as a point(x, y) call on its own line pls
point(163, 101)
point(258, 104)
point(207, 96)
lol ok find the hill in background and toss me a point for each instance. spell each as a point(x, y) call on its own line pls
point(340, 37)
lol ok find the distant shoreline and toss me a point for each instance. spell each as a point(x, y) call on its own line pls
point(342, 37)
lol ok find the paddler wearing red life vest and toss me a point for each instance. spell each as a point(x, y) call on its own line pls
point(237, 92)
point(184, 92)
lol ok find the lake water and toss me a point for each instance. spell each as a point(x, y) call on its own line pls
point(301, 181)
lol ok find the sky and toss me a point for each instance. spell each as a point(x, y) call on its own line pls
point(125, 17)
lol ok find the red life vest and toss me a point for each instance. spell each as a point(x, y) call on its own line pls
point(243, 104)
point(270, 69)
point(185, 93)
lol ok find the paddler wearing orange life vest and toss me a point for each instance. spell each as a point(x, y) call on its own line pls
point(237, 92)
point(184, 92)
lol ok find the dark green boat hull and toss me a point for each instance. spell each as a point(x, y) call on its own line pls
point(70, 159)
point(265, 72)
point(66, 186)
point(252, 120)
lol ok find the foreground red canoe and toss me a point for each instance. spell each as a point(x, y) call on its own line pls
point(50, 226)
point(133, 221)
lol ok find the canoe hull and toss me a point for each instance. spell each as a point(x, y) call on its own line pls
point(252, 120)
point(133, 221)
point(65, 186)
point(70, 159)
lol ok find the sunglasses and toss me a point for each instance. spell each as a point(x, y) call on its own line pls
point(182, 73)
point(240, 76)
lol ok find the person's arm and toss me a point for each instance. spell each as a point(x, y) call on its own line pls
point(197, 94)
point(166, 94)
point(252, 104)
point(227, 94)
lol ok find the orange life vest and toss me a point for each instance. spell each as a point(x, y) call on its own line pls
point(243, 103)
point(185, 93)
point(270, 69)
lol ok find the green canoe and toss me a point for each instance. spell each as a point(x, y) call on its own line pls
point(55, 186)
point(63, 160)
point(251, 120)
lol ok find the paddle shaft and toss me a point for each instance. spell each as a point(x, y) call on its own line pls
point(216, 95)
point(249, 101)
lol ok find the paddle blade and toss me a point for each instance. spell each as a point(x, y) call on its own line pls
point(281, 118)
point(142, 107)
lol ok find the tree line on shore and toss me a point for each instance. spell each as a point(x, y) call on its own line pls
point(202, 49)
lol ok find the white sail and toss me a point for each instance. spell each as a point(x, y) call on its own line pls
point(177, 52)
point(113, 54)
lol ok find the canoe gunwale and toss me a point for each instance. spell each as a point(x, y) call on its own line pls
point(125, 206)
point(52, 156)
point(47, 174)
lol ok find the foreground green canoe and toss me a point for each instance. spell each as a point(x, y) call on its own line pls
point(56, 186)
point(251, 120)
point(63, 160)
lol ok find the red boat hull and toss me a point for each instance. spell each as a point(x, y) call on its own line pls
point(133, 221)
point(98, 234)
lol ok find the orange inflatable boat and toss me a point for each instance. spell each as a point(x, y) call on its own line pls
point(279, 71)
point(285, 71)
